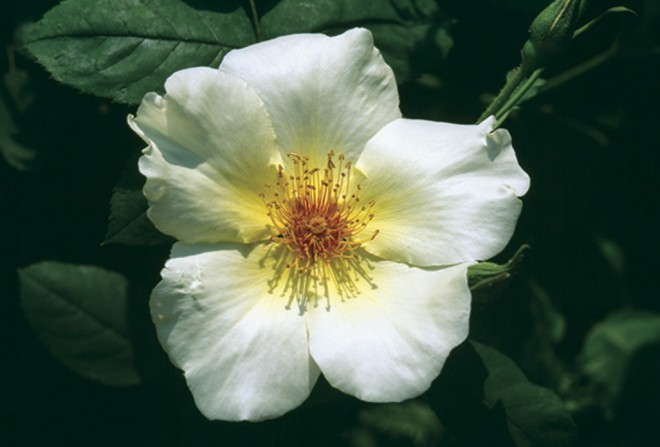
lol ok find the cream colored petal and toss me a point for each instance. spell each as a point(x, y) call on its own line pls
point(211, 151)
point(444, 193)
point(390, 342)
point(322, 93)
point(244, 355)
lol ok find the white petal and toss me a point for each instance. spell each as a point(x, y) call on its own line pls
point(444, 193)
point(322, 93)
point(245, 356)
point(390, 342)
point(212, 149)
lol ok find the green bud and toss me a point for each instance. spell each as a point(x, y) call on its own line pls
point(486, 278)
point(551, 32)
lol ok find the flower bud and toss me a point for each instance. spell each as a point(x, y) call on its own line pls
point(550, 33)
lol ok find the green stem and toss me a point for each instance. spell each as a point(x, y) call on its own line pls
point(582, 68)
point(255, 18)
point(502, 106)
point(516, 97)
point(512, 84)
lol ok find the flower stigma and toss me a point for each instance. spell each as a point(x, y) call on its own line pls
point(317, 219)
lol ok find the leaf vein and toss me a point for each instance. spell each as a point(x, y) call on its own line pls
point(144, 37)
point(81, 309)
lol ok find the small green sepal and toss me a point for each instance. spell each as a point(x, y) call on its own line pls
point(485, 276)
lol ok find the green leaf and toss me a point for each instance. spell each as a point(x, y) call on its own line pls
point(411, 34)
point(128, 222)
point(122, 49)
point(15, 83)
point(612, 344)
point(522, 5)
point(591, 23)
point(79, 313)
point(484, 399)
point(18, 156)
point(536, 416)
point(412, 420)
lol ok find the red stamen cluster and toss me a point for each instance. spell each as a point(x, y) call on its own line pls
point(316, 214)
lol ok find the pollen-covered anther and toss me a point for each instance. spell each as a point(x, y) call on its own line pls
point(317, 225)
point(316, 213)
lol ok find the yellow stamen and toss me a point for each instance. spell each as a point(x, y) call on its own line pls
point(316, 216)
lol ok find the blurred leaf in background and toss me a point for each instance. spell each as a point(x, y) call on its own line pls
point(80, 314)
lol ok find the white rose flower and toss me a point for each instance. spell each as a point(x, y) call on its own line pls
point(318, 231)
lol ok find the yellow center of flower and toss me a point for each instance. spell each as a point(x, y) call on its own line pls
point(317, 218)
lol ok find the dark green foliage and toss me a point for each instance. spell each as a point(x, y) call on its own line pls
point(575, 325)
point(79, 313)
point(407, 423)
point(483, 397)
point(128, 222)
point(611, 347)
point(121, 49)
point(412, 34)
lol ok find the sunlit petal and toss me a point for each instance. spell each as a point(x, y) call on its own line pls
point(389, 342)
point(243, 354)
point(211, 149)
point(444, 193)
point(322, 93)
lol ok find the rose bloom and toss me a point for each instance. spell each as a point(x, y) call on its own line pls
point(318, 231)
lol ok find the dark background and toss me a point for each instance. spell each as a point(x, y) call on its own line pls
point(591, 146)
